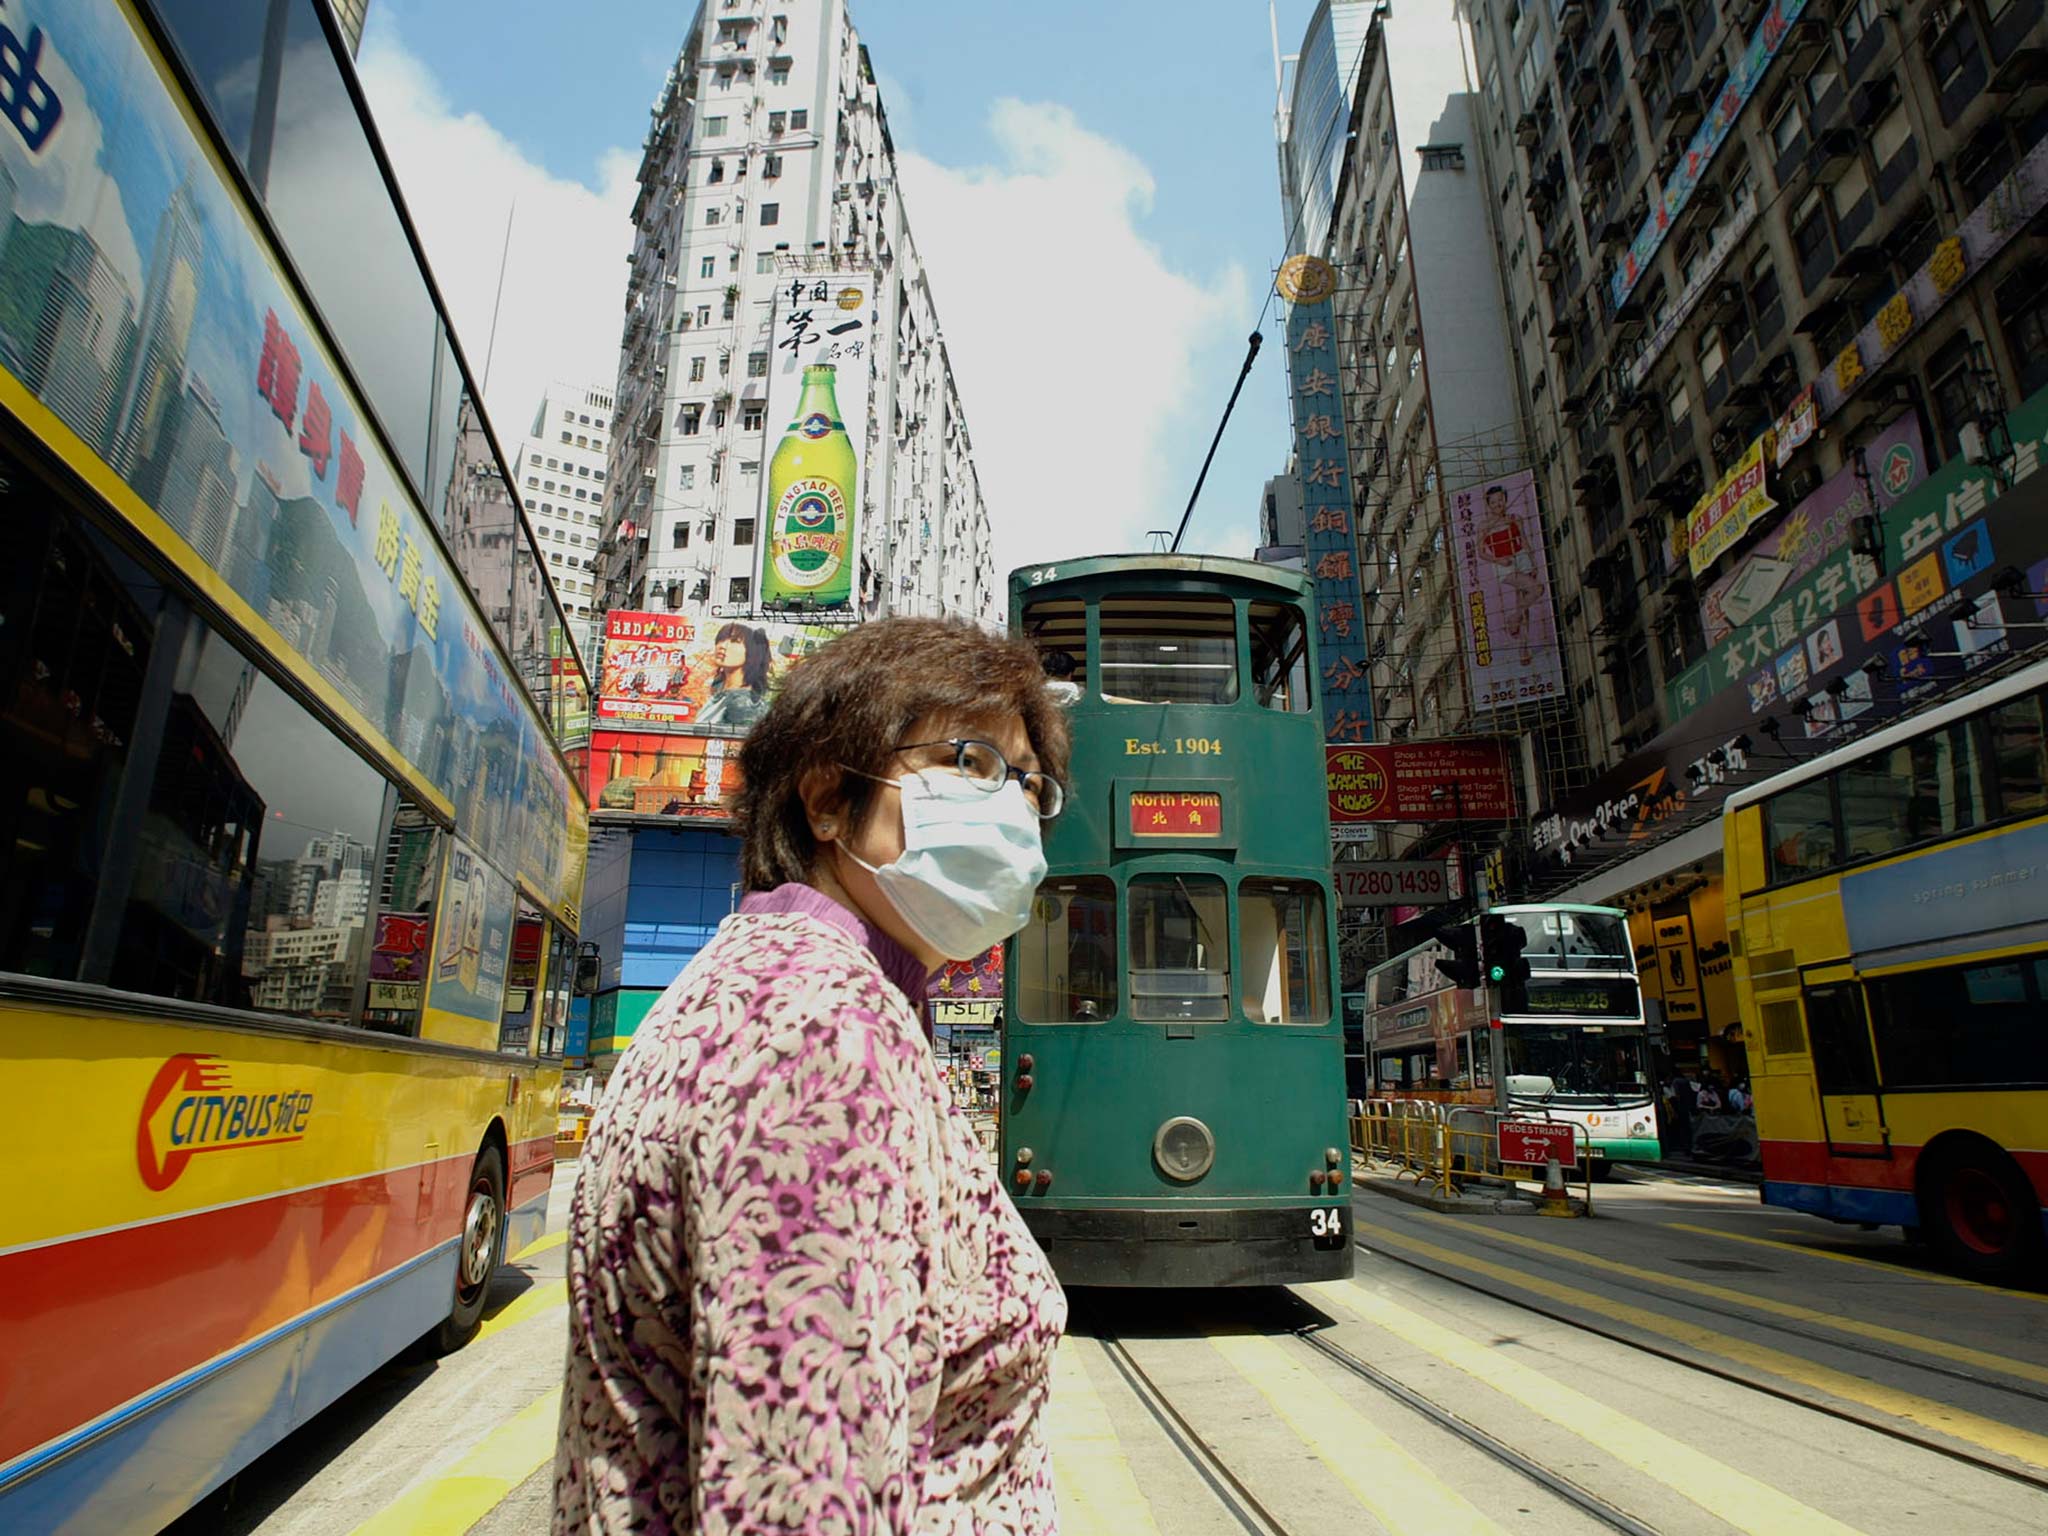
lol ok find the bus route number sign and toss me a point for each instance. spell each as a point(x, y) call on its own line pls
point(1534, 1142)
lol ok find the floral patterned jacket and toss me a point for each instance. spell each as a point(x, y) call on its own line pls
point(798, 1298)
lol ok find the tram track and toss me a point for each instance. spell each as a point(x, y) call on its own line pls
point(1891, 1430)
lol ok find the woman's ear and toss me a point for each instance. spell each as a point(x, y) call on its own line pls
point(823, 795)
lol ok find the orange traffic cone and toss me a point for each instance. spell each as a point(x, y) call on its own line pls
point(1554, 1201)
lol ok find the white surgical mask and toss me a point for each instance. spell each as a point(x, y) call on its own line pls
point(970, 866)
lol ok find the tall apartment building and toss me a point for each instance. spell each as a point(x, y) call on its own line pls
point(768, 162)
point(561, 467)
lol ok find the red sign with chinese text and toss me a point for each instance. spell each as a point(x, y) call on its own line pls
point(1182, 813)
point(1422, 781)
point(1535, 1142)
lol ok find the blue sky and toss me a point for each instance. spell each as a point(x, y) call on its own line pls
point(1151, 122)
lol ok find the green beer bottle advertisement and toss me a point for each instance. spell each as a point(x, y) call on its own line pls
point(813, 481)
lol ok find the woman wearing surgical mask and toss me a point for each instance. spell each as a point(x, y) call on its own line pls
point(799, 1300)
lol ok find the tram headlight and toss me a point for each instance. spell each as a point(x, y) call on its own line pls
point(1184, 1149)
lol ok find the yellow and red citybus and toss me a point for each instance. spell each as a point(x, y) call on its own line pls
point(1889, 915)
point(289, 906)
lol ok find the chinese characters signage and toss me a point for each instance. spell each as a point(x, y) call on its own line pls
point(1182, 813)
point(2012, 203)
point(1721, 517)
point(1419, 781)
point(1685, 177)
point(818, 402)
point(1511, 652)
point(1325, 469)
point(716, 678)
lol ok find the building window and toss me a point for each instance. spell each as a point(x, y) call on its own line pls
point(708, 267)
point(757, 365)
point(778, 74)
point(679, 536)
point(703, 314)
point(1849, 189)
point(743, 530)
point(771, 166)
point(800, 119)
point(753, 418)
point(2023, 308)
point(711, 215)
point(777, 121)
point(765, 262)
point(714, 127)
point(1811, 236)
point(690, 420)
point(696, 370)
point(739, 590)
point(1859, 18)
point(567, 437)
point(771, 213)
point(1953, 391)
point(1711, 359)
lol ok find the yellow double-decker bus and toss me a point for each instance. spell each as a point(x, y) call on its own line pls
point(1888, 905)
point(293, 858)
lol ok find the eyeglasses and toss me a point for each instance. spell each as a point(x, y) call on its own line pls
point(981, 765)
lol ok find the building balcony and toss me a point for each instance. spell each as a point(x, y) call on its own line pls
point(1528, 131)
point(1665, 26)
point(1803, 43)
point(1586, 89)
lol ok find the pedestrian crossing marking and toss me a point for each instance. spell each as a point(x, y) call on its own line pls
point(1876, 1333)
point(1091, 1476)
point(450, 1503)
point(1402, 1493)
point(1885, 1266)
point(1974, 1429)
point(545, 1297)
point(1744, 1502)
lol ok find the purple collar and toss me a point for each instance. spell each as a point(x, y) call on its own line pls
point(897, 963)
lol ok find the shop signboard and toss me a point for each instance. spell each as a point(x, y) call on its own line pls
point(1330, 552)
point(818, 368)
point(664, 773)
point(1420, 781)
point(1738, 500)
point(1385, 882)
point(1503, 568)
point(1894, 462)
point(149, 333)
point(1693, 165)
point(715, 678)
point(1795, 429)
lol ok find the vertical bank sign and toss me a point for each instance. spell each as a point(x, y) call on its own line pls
point(821, 349)
point(1504, 593)
point(1332, 555)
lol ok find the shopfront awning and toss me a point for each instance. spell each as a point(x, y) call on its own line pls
point(1609, 881)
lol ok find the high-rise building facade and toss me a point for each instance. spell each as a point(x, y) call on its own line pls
point(561, 468)
point(1317, 87)
point(767, 171)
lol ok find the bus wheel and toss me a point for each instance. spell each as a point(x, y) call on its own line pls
point(1981, 1213)
point(478, 1251)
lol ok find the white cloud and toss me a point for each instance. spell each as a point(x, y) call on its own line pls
point(1073, 340)
point(565, 281)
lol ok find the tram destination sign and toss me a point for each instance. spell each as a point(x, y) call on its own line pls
point(1390, 882)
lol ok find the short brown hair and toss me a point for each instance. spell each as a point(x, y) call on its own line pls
point(847, 706)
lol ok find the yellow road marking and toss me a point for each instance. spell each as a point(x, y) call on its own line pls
point(1402, 1493)
point(540, 1245)
point(1901, 1271)
point(2002, 1439)
point(1091, 1476)
point(1741, 1500)
point(451, 1503)
point(1876, 1333)
point(544, 1297)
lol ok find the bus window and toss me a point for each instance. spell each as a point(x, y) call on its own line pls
point(1179, 948)
point(1927, 787)
point(1964, 1025)
point(1286, 963)
point(1574, 941)
point(1799, 830)
point(522, 982)
point(1168, 649)
point(1066, 954)
point(2019, 756)
point(1279, 657)
point(1058, 630)
point(1576, 1062)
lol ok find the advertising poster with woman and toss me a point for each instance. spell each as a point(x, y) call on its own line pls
point(1504, 593)
point(716, 677)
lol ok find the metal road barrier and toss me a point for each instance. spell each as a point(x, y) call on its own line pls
point(1446, 1146)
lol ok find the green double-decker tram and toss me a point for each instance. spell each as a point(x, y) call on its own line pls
point(1173, 1097)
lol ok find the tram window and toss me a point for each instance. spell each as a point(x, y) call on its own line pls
point(1281, 934)
point(1279, 657)
point(1066, 954)
point(1799, 830)
point(1168, 648)
point(1179, 952)
point(1058, 630)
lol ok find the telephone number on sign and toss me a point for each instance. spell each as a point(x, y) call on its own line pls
point(1364, 883)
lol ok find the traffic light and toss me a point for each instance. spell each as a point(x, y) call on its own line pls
point(1461, 966)
point(1506, 969)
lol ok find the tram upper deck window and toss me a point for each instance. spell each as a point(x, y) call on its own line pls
point(1179, 957)
point(1057, 629)
point(1168, 648)
point(1282, 934)
point(1066, 954)
point(1280, 657)
point(1574, 941)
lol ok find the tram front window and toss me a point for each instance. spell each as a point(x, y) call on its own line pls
point(1179, 948)
point(1286, 962)
point(1168, 649)
point(1066, 954)
point(1577, 1063)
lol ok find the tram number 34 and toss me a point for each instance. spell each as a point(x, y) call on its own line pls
point(1326, 1226)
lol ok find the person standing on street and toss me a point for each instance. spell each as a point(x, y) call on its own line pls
point(798, 1298)
point(1681, 1113)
